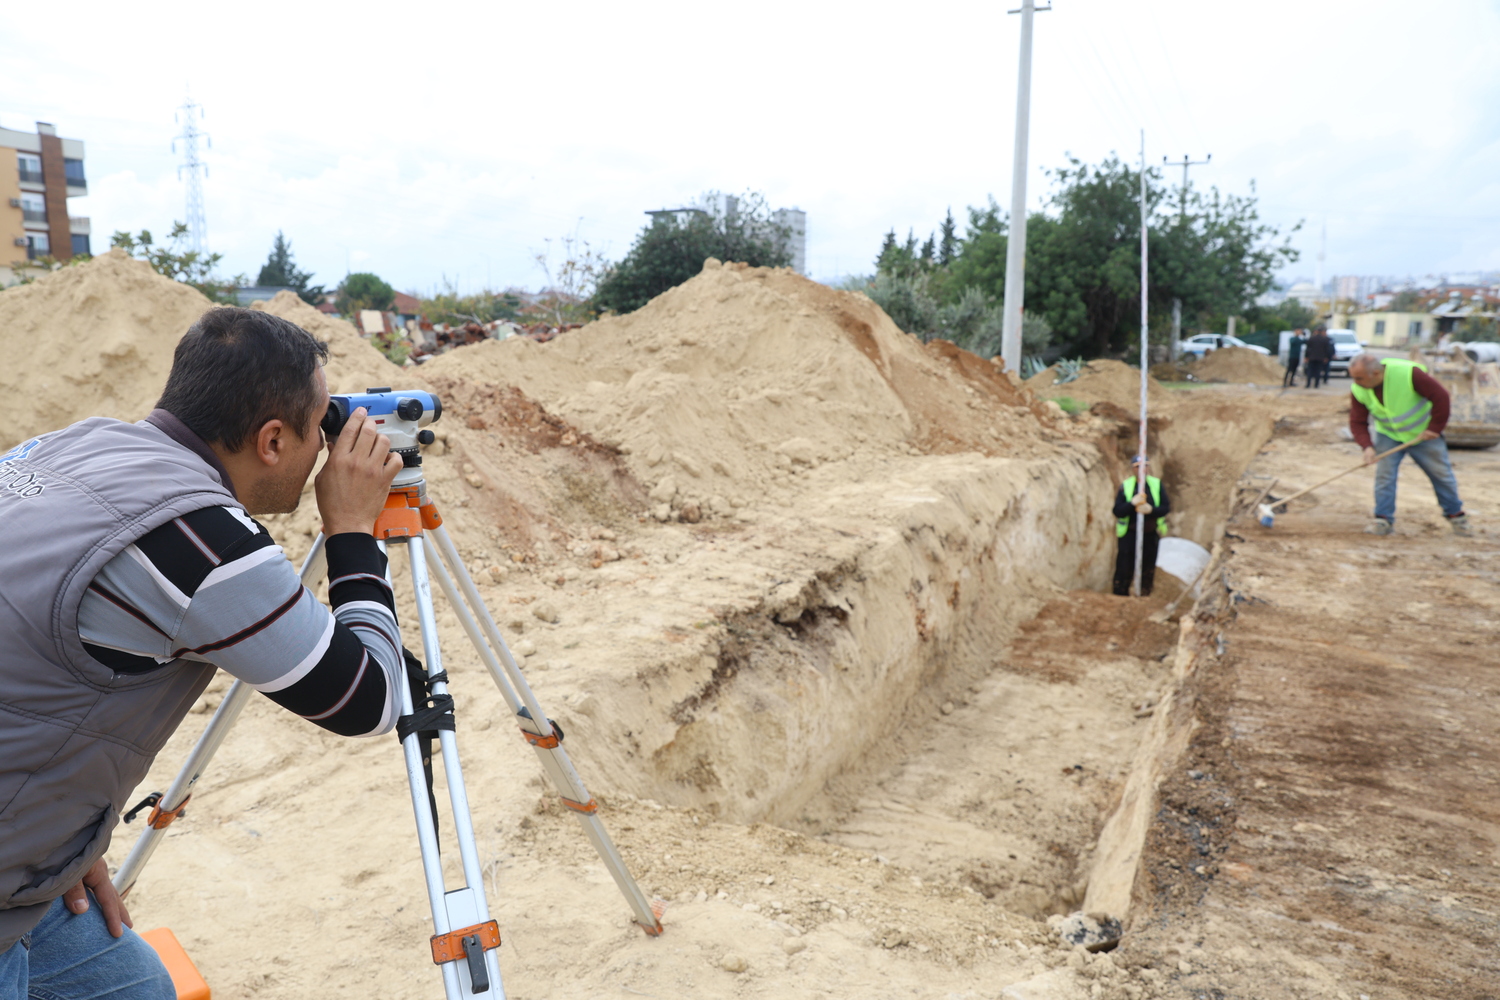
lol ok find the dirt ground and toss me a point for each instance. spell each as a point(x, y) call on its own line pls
point(820, 609)
point(1333, 830)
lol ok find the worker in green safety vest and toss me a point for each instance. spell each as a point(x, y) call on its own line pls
point(1131, 500)
point(1396, 401)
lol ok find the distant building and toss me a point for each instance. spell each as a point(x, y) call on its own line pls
point(1392, 329)
point(1307, 293)
point(408, 309)
point(794, 220)
point(34, 196)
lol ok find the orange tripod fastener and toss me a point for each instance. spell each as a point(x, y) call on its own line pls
point(402, 517)
point(162, 818)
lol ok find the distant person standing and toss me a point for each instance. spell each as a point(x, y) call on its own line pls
point(1134, 498)
point(1319, 352)
point(1293, 358)
point(1393, 402)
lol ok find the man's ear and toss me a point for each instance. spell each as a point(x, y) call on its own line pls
point(270, 443)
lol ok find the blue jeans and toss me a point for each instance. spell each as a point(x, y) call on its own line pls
point(1432, 458)
point(72, 957)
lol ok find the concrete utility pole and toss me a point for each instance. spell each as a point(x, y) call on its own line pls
point(1182, 215)
point(1140, 471)
point(1015, 251)
point(197, 226)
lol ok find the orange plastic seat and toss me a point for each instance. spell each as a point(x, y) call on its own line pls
point(189, 983)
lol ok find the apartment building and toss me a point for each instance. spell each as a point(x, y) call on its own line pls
point(34, 219)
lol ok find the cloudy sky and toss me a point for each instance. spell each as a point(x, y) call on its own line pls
point(453, 141)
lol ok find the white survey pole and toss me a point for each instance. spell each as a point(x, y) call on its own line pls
point(1140, 481)
point(1015, 251)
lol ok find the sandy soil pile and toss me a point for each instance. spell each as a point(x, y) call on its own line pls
point(815, 630)
point(97, 340)
point(723, 387)
point(353, 364)
point(93, 340)
point(1238, 364)
point(1102, 381)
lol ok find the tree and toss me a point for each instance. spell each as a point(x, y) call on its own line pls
point(363, 290)
point(280, 271)
point(574, 270)
point(671, 249)
point(448, 306)
point(171, 260)
point(1406, 301)
point(948, 243)
point(1083, 258)
point(1288, 315)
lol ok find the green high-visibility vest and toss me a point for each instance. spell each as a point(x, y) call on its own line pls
point(1153, 487)
point(1404, 413)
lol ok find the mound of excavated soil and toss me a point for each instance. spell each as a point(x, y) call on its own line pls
point(353, 364)
point(879, 517)
point(97, 340)
point(91, 340)
point(721, 387)
point(1101, 381)
point(1238, 364)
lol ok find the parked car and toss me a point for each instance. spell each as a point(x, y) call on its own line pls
point(1345, 346)
point(1205, 342)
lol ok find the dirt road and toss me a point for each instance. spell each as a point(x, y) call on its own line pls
point(1335, 829)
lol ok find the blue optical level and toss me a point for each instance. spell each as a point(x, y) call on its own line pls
point(394, 411)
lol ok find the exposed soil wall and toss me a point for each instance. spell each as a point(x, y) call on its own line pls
point(768, 560)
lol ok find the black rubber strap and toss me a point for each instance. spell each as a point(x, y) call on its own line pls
point(430, 713)
point(427, 720)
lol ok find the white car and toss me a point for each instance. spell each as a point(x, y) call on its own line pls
point(1345, 346)
point(1205, 342)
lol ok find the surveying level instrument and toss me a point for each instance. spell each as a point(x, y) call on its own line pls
point(465, 936)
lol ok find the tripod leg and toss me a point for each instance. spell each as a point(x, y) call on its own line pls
point(466, 907)
point(171, 803)
point(535, 725)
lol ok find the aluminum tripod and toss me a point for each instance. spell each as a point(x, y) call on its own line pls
point(465, 936)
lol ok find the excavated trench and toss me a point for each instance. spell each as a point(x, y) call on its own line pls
point(950, 689)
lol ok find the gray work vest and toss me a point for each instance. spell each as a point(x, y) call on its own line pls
point(75, 737)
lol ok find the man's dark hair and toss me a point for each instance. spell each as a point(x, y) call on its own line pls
point(235, 369)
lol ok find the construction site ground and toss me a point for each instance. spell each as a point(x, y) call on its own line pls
point(1330, 831)
point(824, 613)
point(1333, 829)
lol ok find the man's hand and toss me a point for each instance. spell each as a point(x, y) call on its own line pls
point(356, 479)
point(1144, 508)
point(1430, 435)
point(1370, 455)
point(1138, 499)
point(76, 899)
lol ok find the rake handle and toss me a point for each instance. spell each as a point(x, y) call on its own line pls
point(1356, 468)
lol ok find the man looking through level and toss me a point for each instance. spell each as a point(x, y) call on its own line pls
point(1395, 401)
point(1150, 500)
point(144, 575)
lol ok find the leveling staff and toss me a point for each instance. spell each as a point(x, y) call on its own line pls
point(143, 572)
point(1149, 499)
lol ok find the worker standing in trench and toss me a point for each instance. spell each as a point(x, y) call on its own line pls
point(1151, 501)
point(1394, 401)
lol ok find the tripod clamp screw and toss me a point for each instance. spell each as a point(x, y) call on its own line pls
point(551, 742)
point(159, 818)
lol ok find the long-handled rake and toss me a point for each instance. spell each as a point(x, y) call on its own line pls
point(1266, 510)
